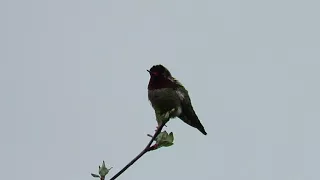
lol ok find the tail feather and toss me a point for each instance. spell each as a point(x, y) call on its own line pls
point(201, 128)
point(194, 122)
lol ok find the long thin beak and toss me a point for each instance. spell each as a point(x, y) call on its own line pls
point(148, 71)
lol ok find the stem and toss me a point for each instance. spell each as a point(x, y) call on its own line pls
point(146, 149)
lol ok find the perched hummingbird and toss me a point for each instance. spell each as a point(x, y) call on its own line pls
point(170, 99)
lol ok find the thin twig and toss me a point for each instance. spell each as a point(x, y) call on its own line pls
point(146, 149)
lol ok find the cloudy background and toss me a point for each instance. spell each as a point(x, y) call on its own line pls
point(74, 88)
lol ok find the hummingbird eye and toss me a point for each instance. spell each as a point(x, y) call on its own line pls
point(155, 73)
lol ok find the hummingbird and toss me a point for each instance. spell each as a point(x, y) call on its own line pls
point(170, 99)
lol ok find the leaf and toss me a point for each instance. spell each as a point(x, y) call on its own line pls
point(161, 136)
point(164, 139)
point(170, 137)
point(103, 170)
point(95, 175)
point(166, 144)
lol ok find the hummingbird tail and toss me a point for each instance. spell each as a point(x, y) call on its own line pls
point(201, 128)
point(194, 122)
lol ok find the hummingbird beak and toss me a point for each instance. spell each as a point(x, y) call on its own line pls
point(152, 73)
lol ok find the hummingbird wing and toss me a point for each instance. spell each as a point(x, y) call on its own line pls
point(188, 115)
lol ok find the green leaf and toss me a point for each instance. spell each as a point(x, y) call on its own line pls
point(161, 136)
point(166, 144)
point(170, 137)
point(103, 170)
point(95, 175)
point(164, 139)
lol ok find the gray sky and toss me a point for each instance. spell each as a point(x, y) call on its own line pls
point(74, 88)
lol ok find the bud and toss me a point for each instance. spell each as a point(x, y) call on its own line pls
point(103, 171)
point(164, 140)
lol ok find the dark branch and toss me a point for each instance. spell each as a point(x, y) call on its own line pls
point(146, 149)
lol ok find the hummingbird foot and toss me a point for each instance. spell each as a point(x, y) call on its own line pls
point(168, 114)
point(159, 126)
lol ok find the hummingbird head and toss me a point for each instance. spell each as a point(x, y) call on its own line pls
point(160, 77)
point(159, 70)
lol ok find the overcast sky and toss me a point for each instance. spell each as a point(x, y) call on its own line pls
point(74, 88)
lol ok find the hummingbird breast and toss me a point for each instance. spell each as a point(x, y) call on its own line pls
point(164, 100)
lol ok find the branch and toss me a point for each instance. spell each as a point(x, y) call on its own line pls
point(145, 150)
